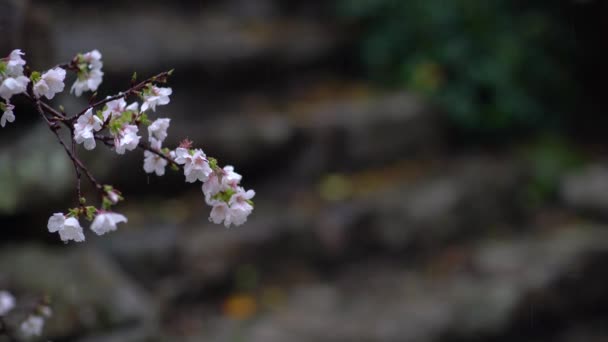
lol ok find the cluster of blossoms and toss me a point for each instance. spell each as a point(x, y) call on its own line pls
point(12, 82)
point(231, 203)
point(116, 124)
point(33, 323)
point(89, 72)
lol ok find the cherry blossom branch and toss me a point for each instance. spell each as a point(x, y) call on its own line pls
point(231, 203)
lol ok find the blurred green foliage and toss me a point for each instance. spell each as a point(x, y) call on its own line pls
point(493, 66)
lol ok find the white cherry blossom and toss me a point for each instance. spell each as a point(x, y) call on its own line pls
point(211, 187)
point(240, 208)
point(126, 139)
point(114, 108)
point(93, 58)
point(196, 166)
point(7, 302)
point(113, 196)
point(32, 326)
point(50, 83)
point(88, 121)
point(68, 227)
point(84, 129)
point(7, 115)
point(153, 163)
point(14, 65)
point(235, 212)
point(90, 81)
point(106, 222)
point(134, 107)
point(91, 78)
point(220, 213)
point(230, 178)
point(155, 96)
point(13, 86)
point(158, 129)
point(220, 182)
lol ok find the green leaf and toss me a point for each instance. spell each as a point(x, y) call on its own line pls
point(225, 195)
point(143, 118)
point(73, 212)
point(212, 163)
point(35, 76)
point(106, 203)
point(90, 212)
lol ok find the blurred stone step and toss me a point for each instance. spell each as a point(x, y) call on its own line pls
point(145, 40)
point(466, 196)
point(347, 131)
point(586, 189)
point(88, 291)
point(483, 298)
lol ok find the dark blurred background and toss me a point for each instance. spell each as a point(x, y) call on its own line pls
point(425, 171)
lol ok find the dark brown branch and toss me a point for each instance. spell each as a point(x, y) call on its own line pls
point(78, 175)
point(52, 110)
point(45, 108)
point(4, 330)
point(108, 141)
point(72, 155)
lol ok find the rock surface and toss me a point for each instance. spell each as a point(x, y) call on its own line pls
point(87, 290)
point(481, 294)
point(587, 189)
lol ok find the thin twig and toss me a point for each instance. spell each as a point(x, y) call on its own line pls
point(77, 163)
point(108, 141)
point(78, 175)
point(53, 110)
point(46, 108)
point(133, 89)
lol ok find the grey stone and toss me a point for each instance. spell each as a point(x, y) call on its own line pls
point(87, 290)
point(204, 38)
point(587, 189)
point(371, 302)
point(470, 195)
point(355, 132)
